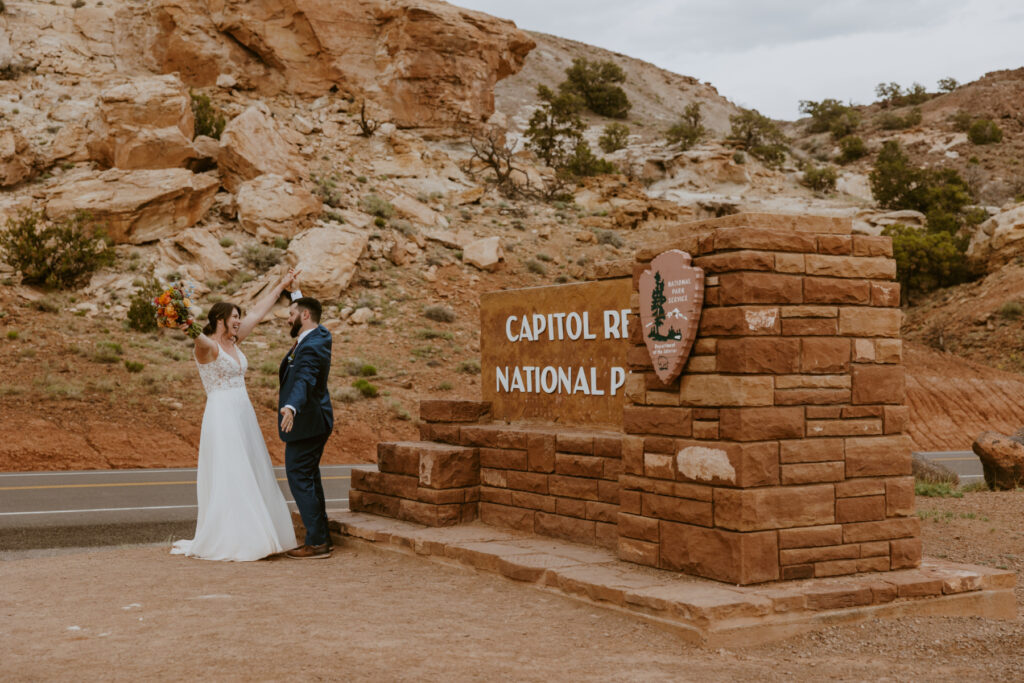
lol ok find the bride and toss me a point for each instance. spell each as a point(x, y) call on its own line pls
point(242, 512)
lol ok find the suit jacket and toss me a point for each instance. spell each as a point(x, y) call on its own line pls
point(303, 376)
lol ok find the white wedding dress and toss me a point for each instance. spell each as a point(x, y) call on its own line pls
point(242, 513)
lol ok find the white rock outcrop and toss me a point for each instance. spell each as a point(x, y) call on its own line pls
point(144, 123)
point(253, 144)
point(137, 206)
point(327, 255)
point(270, 206)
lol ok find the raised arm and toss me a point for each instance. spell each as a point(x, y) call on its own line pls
point(262, 307)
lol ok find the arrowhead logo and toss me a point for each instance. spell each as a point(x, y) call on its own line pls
point(671, 298)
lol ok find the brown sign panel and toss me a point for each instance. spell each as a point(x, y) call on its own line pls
point(556, 353)
point(671, 297)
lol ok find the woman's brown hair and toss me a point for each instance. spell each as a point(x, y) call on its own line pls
point(219, 311)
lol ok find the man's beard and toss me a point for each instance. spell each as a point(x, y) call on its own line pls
point(296, 326)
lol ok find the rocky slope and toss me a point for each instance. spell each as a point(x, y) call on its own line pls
point(392, 230)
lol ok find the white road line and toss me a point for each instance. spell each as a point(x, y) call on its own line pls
point(161, 470)
point(154, 507)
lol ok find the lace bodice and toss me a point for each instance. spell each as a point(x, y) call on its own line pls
point(223, 372)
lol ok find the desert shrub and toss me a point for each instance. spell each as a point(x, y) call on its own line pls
point(46, 305)
point(613, 137)
point(961, 120)
point(261, 257)
point(367, 370)
point(470, 367)
point(325, 186)
point(427, 333)
point(12, 335)
point(820, 178)
point(948, 84)
point(141, 313)
point(60, 253)
point(607, 237)
point(927, 260)
point(444, 386)
point(893, 121)
point(851, 148)
point(134, 366)
point(1012, 310)
point(893, 95)
point(210, 120)
point(226, 242)
point(346, 394)
point(759, 136)
point(596, 83)
point(925, 470)
point(107, 352)
point(377, 206)
point(536, 267)
point(439, 314)
point(941, 489)
point(555, 127)
point(281, 242)
point(739, 157)
point(584, 163)
point(365, 387)
point(938, 193)
point(830, 116)
point(984, 132)
point(689, 129)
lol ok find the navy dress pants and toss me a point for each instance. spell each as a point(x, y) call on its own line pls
point(302, 463)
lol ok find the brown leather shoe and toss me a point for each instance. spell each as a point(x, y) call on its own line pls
point(310, 552)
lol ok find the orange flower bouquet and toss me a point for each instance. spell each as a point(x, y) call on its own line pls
point(173, 308)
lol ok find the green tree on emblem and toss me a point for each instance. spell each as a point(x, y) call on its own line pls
point(658, 306)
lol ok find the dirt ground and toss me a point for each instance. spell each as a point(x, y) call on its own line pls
point(370, 614)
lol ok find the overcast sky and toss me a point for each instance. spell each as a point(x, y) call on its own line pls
point(771, 54)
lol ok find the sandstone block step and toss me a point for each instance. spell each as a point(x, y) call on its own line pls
point(700, 610)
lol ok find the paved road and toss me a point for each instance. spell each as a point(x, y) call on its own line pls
point(965, 463)
point(106, 507)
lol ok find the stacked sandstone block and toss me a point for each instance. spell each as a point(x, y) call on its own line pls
point(428, 483)
point(553, 481)
point(779, 453)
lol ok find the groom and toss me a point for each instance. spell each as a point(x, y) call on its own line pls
point(306, 420)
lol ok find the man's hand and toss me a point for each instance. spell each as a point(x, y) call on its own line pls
point(287, 419)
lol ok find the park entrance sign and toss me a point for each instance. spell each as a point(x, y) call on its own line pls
point(671, 296)
point(556, 353)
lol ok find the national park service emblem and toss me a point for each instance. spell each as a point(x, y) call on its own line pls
point(671, 296)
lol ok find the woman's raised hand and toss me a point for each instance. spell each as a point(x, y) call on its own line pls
point(290, 277)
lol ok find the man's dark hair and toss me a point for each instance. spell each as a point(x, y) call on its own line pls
point(312, 305)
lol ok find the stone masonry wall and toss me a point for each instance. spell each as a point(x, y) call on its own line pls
point(779, 452)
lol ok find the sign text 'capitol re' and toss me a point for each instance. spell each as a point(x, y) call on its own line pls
point(550, 379)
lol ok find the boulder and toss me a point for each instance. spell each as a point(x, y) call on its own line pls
point(144, 123)
point(197, 253)
point(253, 144)
point(417, 211)
point(1002, 459)
point(270, 206)
point(485, 254)
point(361, 316)
point(430, 63)
point(873, 221)
point(137, 206)
point(999, 240)
point(327, 255)
point(17, 162)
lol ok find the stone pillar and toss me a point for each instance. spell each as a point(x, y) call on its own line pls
point(779, 452)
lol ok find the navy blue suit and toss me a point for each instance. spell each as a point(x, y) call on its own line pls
point(303, 376)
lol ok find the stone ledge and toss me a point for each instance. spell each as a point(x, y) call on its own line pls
point(702, 611)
